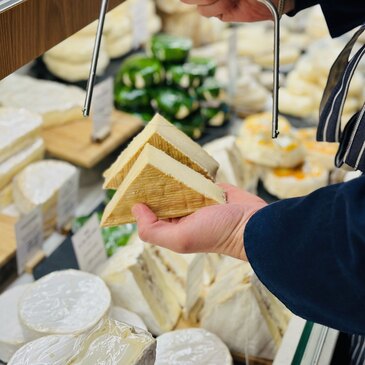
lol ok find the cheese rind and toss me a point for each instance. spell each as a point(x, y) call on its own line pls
point(64, 302)
point(125, 316)
point(6, 196)
point(110, 342)
point(166, 137)
point(168, 187)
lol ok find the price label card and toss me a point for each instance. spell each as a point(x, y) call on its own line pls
point(29, 237)
point(139, 22)
point(67, 200)
point(89, 246)
point(102, 109)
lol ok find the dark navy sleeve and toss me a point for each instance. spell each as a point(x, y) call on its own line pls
point(341, 16)
point(310, 253)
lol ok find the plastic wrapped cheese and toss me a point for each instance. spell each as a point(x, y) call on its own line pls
point(57, 103)
point(10, 167)
point(11, 331)
point(18, 128)
point(110, 342)
point(64, 302)
point(193, 346)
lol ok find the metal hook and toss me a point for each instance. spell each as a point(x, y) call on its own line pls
point(95, 57)
point(275, 105)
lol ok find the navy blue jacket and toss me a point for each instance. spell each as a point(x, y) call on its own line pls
point(310, 253)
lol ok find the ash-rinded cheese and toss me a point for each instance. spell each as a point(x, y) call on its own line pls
point(18, 128)
point(125, 316)
point(10, 167)
point(137, 284)
point(170, 188)
point(110, 342)
point(166, 137)
point(193, 346)
point(64, 302)
point(11, 331)
point(55, 102)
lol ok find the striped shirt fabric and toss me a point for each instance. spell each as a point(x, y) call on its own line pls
point(357, 350)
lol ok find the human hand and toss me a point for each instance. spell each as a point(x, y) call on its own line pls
point(217, 228)
point(236, 10)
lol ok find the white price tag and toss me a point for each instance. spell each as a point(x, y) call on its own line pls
point(29, 237)
point(140, 22)
point(89, 246)
point(102, 109)
point(67, 200)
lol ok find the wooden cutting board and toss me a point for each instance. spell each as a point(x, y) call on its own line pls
point(7, 238)
point(72, 141)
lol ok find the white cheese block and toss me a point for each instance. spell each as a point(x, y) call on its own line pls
point(11, 331)
point(64, 302)
point(18, 128)
point(137, 284)
point(170, 188)
point(193, 346)
point(57, 103)
point(110, 342)
point(10, 167)
point(125, 316)
point(165, 136)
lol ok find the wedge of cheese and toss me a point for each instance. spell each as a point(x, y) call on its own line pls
point(55, 102)
point(11, 332)
point(166, 137)
point(110, 342)
point(18, 129)
point(125, 316)
point(10, 167)
point(6, 196)
point(168, 187)
point(137, 284)
point(63, 302)
point(193, 346)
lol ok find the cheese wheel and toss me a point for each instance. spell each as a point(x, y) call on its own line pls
point(296, 105)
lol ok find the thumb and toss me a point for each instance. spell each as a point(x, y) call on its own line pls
point(144, 215)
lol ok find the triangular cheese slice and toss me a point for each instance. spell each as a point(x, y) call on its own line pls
point(168, 187)
point(166, 137)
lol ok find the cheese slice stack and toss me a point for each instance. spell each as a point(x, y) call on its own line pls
point(55, 102)
point(193, 346)
point(18, 129)
point(63, 302)
point(170, 188)
point(11, 331)
point(110, 342)
point(137, 284)
point(166, 137)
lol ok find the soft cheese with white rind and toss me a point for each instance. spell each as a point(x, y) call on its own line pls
point(170, 189)
point(63, 302)
point(166, 137)
point(18, 129)
point(125, 316)
point(137, 284)
point(11, 331)
point(56, 102)
point(110, 342)
point(193, 346)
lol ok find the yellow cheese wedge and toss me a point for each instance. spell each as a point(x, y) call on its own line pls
point(168, 187)
point(6, 196)
point(166, 137)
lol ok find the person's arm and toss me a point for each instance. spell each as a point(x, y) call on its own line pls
point(310, 253)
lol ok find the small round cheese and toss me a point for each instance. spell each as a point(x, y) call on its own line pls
point(64, 302)
point(193, 346)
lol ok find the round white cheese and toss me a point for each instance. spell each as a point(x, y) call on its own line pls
point(11, 332)
point(64, 302)
point(126, 316)
point(193, 346)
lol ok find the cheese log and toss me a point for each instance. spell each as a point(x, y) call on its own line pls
point(168, 187)
point(6, 196)
point(125, 316)
point(10, 167)
point(18, 129)
point(57, 103)
point(164, 136)
point(193, 346)
point(110, 342)
point(63, 302)
point(137, 284)
point(11, 332)
point(299, 181)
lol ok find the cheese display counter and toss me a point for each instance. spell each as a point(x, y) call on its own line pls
point(177, 118)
